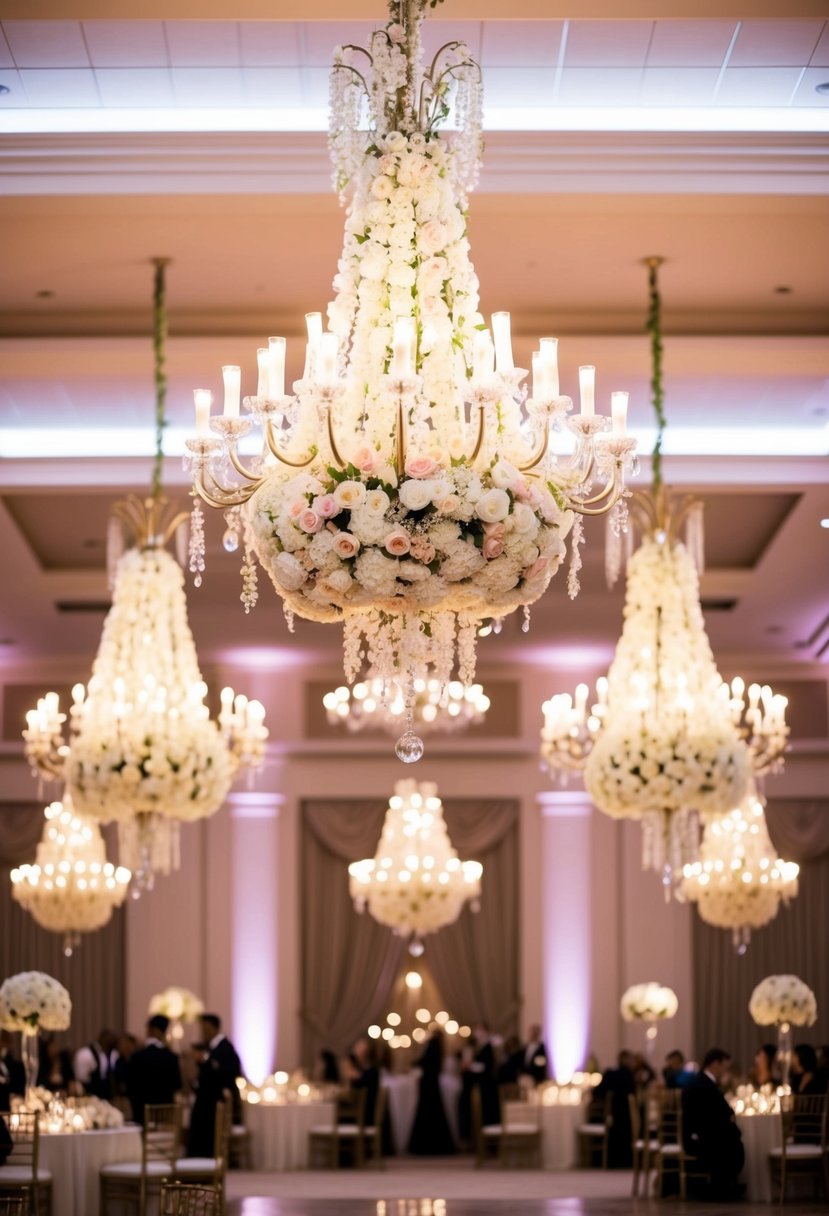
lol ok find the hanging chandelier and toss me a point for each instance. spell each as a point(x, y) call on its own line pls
point(142, 748)
point(408, 487)
point(739, 882)
point(415, 883)
point(381, 704)
point(662, 741)
point(71, 888)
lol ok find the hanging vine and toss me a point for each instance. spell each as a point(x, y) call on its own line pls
point(159, 370)
point(654, 328)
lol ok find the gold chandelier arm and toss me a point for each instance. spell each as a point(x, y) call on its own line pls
point(541, 450)
point(332, 442)
point(400, 440)
point(239, 467)
point(479, 442)
point(276, 451)
point(223, 498)
point(174, 524)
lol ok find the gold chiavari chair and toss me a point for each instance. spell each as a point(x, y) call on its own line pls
point(344, 1135)
point(181, 1200)
point(211, 1171)
point(373, 1133)
point(594, 1134)
point(486, 1138)
point(668, 1140)
point(132, 1182)
point(12, 1207)
point(520, 1128)
point(803, 1149)
point(644, 1144)
point(22, 1177)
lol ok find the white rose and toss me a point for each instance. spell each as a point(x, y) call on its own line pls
point(504, 474)
point(523, 518)
point(350, 494)
point(377, 502)
point(416, 494)
point(492, 506)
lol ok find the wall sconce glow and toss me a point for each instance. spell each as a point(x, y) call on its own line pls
point(566, 927)
point(824, 523)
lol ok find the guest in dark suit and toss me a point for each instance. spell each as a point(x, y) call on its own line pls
point(12, 1072)
point(431, 1135)
point(483, 1074)
point(55, 1069)
point(362, 1073)
point(92, 1066)
point(675, 1074)
point(618, 1082)
point(709, 1129)
point(219, 1068)
point(153, 1073)
point(534, 1062)
point(509, 1070)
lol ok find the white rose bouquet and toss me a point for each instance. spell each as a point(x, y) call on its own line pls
point(650, 1002)
point(179, 1004)
point(780, 999)
point(32, 1001)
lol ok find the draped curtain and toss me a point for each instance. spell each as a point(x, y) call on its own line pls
point(793, 944)
point(350, 962)
point(95, 974)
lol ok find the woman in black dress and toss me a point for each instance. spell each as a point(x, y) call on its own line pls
point(431, 1135)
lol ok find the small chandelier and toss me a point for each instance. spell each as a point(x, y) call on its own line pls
point(415, 883)
point(739, 882)
point(71, 888)
point(437, 707)
point(408, 486)
point(142, 748)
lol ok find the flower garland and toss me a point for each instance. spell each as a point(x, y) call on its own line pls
point(32, 1001)
point(781, 999)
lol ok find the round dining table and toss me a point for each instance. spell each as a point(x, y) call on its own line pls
point(761, 1133)
point(559, 1124)
point(279, 1132)
point(74, 1160)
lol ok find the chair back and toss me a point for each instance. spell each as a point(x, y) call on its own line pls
point(180, 1200)
point(804, 1120)
point(24, 1132)
point(351, 1108)
point(516, 1111)
point(669, 1119)
point(161, 1134)
point(635, 1119)
point(224, 1122)
point(12, 1207)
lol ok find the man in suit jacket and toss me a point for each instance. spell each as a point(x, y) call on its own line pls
point(153, 1072)
point(92, 1066)
point(12, 1072)
point(219, 1067)
point(709, 1129)
point(534, 1062)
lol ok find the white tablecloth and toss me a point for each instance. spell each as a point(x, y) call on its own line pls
point(761, 1133)
point(279, 1134)
point(75, 1160)
point(558, 1130)
point(403, 1091)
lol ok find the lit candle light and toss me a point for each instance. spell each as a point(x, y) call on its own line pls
point(619, 412)
point(232, 377)
point(276, 387)
point(503, 342)
point(203, 400)
point(587, 390)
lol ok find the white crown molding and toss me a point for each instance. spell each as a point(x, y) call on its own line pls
point(297, 163)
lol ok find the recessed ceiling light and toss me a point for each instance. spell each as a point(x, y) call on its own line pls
point(4, 88)
point(824, 523)
point(783, 290)
point(45, 294)
point(822, 88)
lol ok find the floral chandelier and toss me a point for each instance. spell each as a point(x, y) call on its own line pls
point(415, 883)
point(662, 743)
point(71, 888)
point(408, 487)
point(142, 748)
point(739, 881)
point(382, 704)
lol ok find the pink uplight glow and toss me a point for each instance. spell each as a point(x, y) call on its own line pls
point(566, 931)
point(266, 658)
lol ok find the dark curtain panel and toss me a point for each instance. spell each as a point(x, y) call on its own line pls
point(350, 962)
point(793, 944)
point(95, 974)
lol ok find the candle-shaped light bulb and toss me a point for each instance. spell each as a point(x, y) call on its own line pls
point(263, 365)
point(619, 412)
point(203, 400)
point(276, 388)
point(401, 362)
point(483, 355)
point(327, 374)
point(548, 348)
point(538, 376)
point(232, 377)
point(503, 342)
point(313, 324)
point(587, 390)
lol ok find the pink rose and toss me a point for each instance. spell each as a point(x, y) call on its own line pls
point(309, 521)
point(398, 542)
point(364, 460)
point(538, 567)
point(495, 531)
point(346, 545)
point(296, 509)
point(520, 489)
point(492, 547)
point(422, 466)
point(325, 506)
point(422, 549)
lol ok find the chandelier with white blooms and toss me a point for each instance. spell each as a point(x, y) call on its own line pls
point(415, 883)
point(382, 704)
point(408, 486)
point(71, 888)
point(142, 748)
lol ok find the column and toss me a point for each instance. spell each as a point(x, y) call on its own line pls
point(566, 928)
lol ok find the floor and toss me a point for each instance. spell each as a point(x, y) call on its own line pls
point(456, 1188)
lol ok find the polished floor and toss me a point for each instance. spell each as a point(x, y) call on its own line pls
point(507, 1207)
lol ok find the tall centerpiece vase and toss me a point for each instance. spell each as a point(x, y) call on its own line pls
point(651, 1035)
point(30, 1055)
point(784, 1051)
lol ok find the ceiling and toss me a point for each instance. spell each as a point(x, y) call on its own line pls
point(733, 195)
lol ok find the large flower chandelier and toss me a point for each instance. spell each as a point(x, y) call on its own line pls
point(142, 748)
point(739, 882)
point(373, 704)
point(415, 883)
point(71, 888)
point(662, 742)
point(408, 486)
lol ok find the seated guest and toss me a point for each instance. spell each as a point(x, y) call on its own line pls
point(618, 1082)
point(675, 1074)
point(55, 1071)
point(12, 1072)
point(764, 1071)
point(362, 1073)
point(806, 1078)
point(327, 1070)
point(92, 1066)
point(709, 1128)
point(153, 1072)
point(534, 1063)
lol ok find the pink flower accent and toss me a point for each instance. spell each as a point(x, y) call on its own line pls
point(538, 567)
point(325, 506)
point(398, 542)
point(309, 521)
point(422, 549)
point(296, 509)
point(495, 531)
point(422, 466)
point(346, 545)
point(364, 460)
point(492, 547)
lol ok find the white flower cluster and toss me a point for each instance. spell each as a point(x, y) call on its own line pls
point(177, 1003)
point(31, 1001)
point(650, 1002)
point(143, 740)
point(445, 539)
point(783, 998)
point(98, 1114)
point(667, 743)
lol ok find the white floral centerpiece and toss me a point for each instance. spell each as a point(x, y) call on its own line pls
point(178, 1004)
point(649, 1002)
point(32, 1001)
point(782, 999)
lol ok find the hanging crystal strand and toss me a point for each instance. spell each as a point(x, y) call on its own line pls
point(409, 747)
point(577, 539)
point(612, 550)
point(115, 548)
point(525, 624)
point(196, 543)
point(250, 583)
point(230, 539)
point(288, 613)
point(695, 536)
